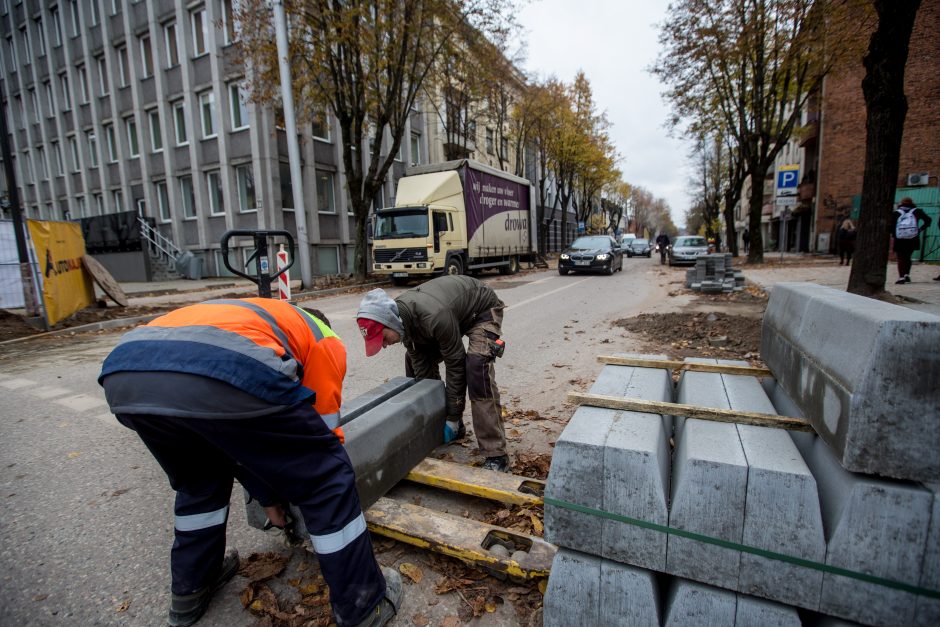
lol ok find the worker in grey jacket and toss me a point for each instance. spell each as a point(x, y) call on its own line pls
point(431, 320)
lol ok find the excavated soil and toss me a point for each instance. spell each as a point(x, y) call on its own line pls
point(707, 334)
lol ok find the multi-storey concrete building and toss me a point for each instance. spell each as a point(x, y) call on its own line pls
point(120, 106)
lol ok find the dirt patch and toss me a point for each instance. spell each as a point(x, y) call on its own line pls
point(713, 334)
point(13, 326)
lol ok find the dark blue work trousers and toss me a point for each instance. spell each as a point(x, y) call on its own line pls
point(291, 456)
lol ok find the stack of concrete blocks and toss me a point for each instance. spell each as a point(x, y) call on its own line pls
point(606, 571)
point(713, 274)
point(785, 492)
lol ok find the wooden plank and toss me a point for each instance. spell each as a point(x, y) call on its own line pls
point(487, 484)
point(752, 371)
point(459, 537)
point(690, 411)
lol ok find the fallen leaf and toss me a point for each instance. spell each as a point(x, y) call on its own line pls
point(411, 571)
point(123, 606)
point(74, 454)
point(536, 524)
point(490, 607)
point(261, 566)
point(40, 597)
point(450, 621)
point(419, 620)
point(310, 588)
point(543, 585)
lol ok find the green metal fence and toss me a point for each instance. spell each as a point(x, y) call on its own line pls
point(928, 199)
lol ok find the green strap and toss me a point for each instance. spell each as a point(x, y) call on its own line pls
point(826, 568)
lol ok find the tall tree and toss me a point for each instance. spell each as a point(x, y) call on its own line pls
point(886, 104)
point(751, 64)
point(365, 61)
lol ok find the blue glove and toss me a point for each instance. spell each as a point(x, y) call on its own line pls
point(453, 430)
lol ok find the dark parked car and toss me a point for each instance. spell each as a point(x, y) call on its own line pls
point(591, 253)
point(687, 249)
point(639, 248)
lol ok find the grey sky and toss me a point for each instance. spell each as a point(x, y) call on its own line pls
point(614, 42)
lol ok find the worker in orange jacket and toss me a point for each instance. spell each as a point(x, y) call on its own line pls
point(249, 389)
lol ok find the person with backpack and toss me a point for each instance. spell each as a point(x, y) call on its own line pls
point(907, 222)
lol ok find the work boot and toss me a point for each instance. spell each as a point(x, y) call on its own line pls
point(499, 464)
point(388, 606)
point(186, 609)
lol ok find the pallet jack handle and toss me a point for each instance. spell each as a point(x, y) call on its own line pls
point(263, 280)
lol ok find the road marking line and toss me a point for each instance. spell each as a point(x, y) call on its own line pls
point(535, 298)
point(15, 384)
point(81, 402)
point(49, 392)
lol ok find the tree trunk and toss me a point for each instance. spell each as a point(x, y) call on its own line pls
point(886, 104)
point(755, 253)
point(730, 235)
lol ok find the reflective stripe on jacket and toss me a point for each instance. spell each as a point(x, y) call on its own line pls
point(267, 348)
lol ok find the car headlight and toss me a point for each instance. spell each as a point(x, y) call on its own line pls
point(603, 257)
point(565, 256)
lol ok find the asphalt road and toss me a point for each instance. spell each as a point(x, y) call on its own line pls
point(87, 520)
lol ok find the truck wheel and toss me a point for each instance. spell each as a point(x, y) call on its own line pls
point(510, 268)
point(454, 266)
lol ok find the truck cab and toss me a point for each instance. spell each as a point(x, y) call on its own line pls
point(418, 240)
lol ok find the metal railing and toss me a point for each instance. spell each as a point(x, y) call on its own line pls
point(160, 245)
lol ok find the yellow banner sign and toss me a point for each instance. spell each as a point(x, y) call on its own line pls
point(66, 288)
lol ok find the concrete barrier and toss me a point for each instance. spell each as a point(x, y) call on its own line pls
point(616, 462)
point(928, 610)
point(863, 372)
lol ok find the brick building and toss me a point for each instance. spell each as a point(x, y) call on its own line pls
point(841, 136)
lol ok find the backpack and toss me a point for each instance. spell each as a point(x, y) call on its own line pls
point(906, 227)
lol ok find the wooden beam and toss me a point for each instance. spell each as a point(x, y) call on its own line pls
point(690, 411)
point(670, 364)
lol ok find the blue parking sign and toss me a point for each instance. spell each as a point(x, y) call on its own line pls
point(788, 178)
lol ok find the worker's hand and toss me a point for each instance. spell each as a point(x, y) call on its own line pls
point(276, 516)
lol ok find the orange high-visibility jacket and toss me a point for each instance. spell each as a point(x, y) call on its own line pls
point(270, 349)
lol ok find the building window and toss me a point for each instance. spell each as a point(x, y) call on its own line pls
point(73, 10)
point(415, 150)
point(200, 31)
point(115, 7)
point(56, 27)
point(141, 206)
point(132, 142)
point(321, 127)
point(66, 94)
point(172, 45)
point(489, 141)
point(111, 142)
point(325, 200)
point(83, 83)
point(156, 132)
point(123, 68)
point(92, 142)
point(28, 175)
point(99, 205)
point(95, 13)
point(82, 207)
point(229, 26)
point(43, 168)
point(146, 56)
point(41, 36)
point(287, 189)
point(188, 197)
point(207, 113)
point(34, 105)
point(179, 118)
point(163, 201)
point(73, 153)
point(50, 103)
point(27, 47)
point(20, 110)
point(59, 163)
point(246, 188)
point(117, 201)
point(504, 147)
point(328, 259)
point(102, 76)
point(237, 104)
point(11, 49)
point(214, 183)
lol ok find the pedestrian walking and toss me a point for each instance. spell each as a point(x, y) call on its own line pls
point(249, 389)
point(746, 238)
point(907, 223)
point(845, 241)
point(430, 321)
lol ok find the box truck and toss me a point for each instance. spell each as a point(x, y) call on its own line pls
point(453, 218)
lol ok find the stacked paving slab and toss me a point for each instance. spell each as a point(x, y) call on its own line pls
point(833, 500)
point(713, 274)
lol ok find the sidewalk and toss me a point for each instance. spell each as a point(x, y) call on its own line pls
point(922, 294)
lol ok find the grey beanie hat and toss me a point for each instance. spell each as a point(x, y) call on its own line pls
point(377, 305)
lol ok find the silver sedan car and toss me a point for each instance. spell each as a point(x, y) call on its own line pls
point(687, 249)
